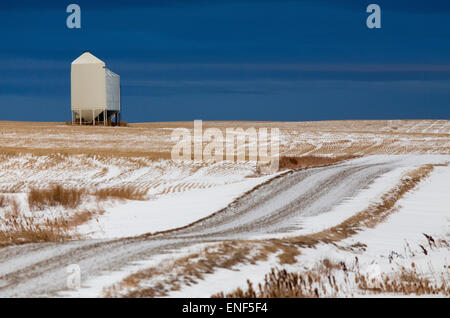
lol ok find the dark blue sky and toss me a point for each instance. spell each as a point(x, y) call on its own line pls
point(232, 60)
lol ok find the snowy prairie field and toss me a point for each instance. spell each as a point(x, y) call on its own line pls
point(362, 209)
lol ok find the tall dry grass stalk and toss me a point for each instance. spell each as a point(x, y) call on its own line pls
point(27, 230)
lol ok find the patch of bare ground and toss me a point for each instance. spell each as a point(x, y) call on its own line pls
point(17, 227)
point(292, 162)
point(26, 230)
point(80, 218)
point(187, 270)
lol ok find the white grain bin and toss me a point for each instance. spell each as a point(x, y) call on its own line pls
point(95, 91)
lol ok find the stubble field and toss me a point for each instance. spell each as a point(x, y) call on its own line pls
point(365, 202)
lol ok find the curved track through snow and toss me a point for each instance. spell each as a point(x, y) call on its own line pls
point(36, 270)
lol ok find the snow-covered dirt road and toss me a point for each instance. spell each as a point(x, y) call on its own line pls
point(278, 207)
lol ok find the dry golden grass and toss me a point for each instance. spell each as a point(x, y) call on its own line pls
point(405, 282)
point(38, 199)
point(79, 218)
point(16, 228)
point(288, 254)
point(336, 278)
point(279, 284)
point(27, 230)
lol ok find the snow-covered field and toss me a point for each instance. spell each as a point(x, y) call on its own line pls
point(189, 207)
point(167, 211)
point(389, 248)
